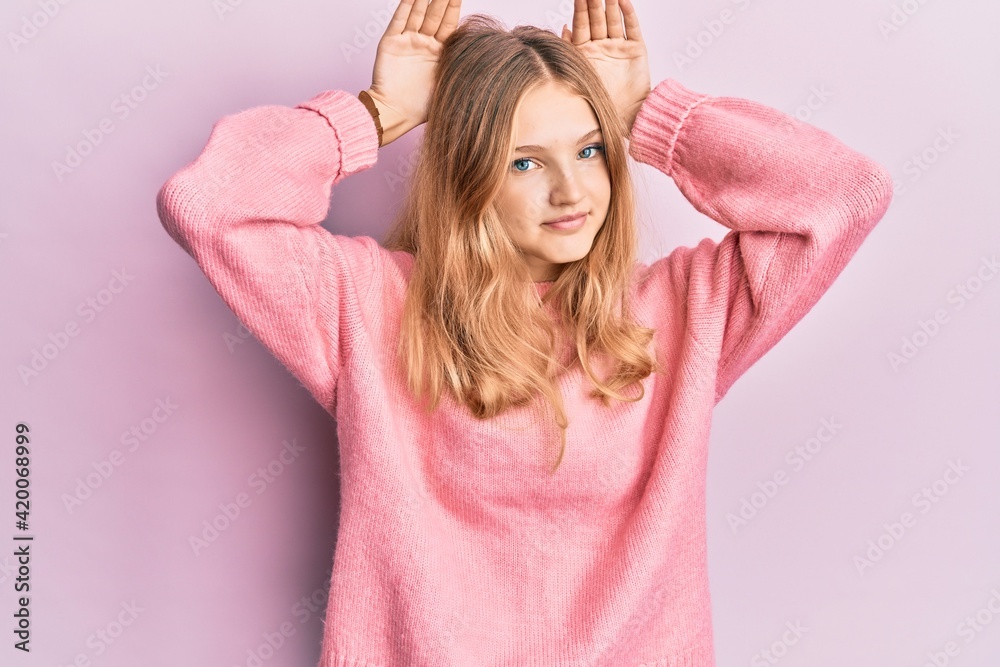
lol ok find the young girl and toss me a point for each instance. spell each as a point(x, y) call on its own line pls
point(523, 409)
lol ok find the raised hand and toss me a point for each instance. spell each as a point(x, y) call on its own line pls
point(408, 53)
point(616, 49)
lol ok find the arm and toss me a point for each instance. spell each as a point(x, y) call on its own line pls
point(248, 210)
point(798, 201)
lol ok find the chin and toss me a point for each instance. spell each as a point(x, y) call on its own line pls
point(567, 256)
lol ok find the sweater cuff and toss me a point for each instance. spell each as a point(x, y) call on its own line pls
point(659, 121)
point(353, 124)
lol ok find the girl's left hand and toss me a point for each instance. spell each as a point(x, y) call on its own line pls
point(615, 49)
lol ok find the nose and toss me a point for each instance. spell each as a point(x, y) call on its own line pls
point(565, 187)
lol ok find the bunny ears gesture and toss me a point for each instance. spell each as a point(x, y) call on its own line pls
point(611, 39)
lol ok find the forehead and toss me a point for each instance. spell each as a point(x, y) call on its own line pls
point(551, 114)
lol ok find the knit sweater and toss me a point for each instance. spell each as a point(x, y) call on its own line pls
point(455, 545)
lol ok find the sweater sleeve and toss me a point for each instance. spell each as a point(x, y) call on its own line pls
point(249, 210)
point(798, 203)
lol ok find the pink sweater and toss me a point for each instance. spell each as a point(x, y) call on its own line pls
point(455, 546)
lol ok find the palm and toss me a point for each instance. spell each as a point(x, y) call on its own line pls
point(622, 65)
point(404, 71)
point(406, 62)
point(611, 40)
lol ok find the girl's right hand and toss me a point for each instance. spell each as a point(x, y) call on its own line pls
point(406, 61)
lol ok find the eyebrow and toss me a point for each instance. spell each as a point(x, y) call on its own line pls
point(535, 147)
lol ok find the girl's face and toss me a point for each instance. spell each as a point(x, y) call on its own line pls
point(558, 168)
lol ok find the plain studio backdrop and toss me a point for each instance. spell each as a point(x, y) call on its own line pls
point(852, 484)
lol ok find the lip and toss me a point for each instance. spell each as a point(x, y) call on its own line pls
point(567, 223)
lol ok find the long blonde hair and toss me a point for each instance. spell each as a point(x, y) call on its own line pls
point(473, 323)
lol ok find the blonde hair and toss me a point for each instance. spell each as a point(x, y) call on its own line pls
point(473, 322)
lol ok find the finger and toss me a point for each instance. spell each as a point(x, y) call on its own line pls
point(631, 21)
point(433, 17)
point(615, 28)
point(598, 25)
point(416, 15)
point(450, 20)
point(581, 22)
point(398, 21)
point(567, 36)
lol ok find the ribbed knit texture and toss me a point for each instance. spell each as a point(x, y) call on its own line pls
point(455, 545)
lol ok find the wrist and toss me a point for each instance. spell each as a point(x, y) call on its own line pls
point(392, 122)
point(372, 108)
point(632, 112)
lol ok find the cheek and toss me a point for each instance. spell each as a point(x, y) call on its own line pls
point(599, 188)
point(516, 213)
point(597, 178)
point(525, 204)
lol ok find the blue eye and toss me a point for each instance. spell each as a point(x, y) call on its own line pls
point(594, 147)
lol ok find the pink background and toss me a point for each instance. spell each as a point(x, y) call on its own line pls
point(164, 335)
